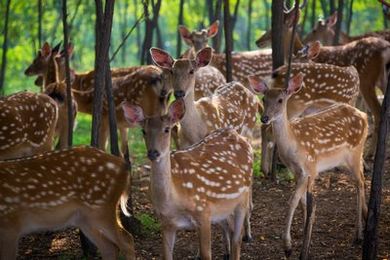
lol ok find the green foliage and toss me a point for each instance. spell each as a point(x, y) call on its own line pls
point(149, 224)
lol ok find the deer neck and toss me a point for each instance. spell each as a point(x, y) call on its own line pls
point(283, 133)
point(51, 73)
point(192, 127)
point(161, 182)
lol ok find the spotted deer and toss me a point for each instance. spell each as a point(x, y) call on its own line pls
point(79, 187)
point(203, 184)
point(325, 33)
point(369, 56)
point(324, 85)
point(144, 86)
point(27, 124)
point(244, 63)
point(43, 66)
point(314, 143)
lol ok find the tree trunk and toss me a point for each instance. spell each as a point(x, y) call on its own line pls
point(217, 16)
point(332, 6)
point(370, 244)
point(124, 26)
point(306, 13)
point(210, 8)
point(249, 31)
point(228, 41)
point(160, 41)
point(150, 25)
point(339, 22)
point(313, 17)
point(180, 22)
point(350, 14)
point(324, 7)
point(138, 30)
point(267, 18)
point(235, 14)
point(67, 75)
point(39, 23)
point(5, 47)
point(277, 35)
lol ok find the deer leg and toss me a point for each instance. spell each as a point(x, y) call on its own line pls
point(248, 231)
point(205, 238)
point(356, 168)
point(311, 206)
point(300, 189)
point(8, 246)
point(226, 235)
point(303, 203)
point(266, 149)
point(372, 102)
point(239, 218)
point(124, 140)
point(169, 237)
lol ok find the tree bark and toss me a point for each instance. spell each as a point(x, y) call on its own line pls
point(370, 244)
point(124, 25)
point(228, 41)
point(150, 25)
point(340, 9)
point(217, 16)
point(277, 35)
point(350, 14)
point(180, 22)
point(5, 48)
point(332, 6)
point(235, 14)
point(249, 31)
point(67, 75)
point(313, 17)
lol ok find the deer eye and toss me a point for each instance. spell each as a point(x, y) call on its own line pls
point(191, 72)
point(280, 100)
point(166, 130)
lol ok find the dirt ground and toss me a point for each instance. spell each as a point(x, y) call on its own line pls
point(332, 237)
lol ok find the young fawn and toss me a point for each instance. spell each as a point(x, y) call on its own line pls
point(27, 124)
point(312, 144)
point(79, 187)
point(206, 183)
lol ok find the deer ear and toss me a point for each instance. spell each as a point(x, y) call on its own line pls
point(289, 17)
point(176, 111)
point(185, 34)
point(46, 50)
point(203, 57)
point(295, 84)
point(331, 20)
point(213, 29)
point(56, 48)
point(133, 114)
point(257, 84)
point(161, 58)
point(314, 50)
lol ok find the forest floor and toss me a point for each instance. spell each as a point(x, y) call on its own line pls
point(333, 232)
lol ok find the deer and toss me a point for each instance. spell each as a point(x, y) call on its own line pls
point(203, 184)
point(27, 124)
point(231, 105)
point(325, 33)
point(325, 85)
point(143, 86)
point(369, 55)
point(244, 63)
point(78, 187)
point(312, 144)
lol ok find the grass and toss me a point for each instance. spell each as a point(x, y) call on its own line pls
point(150, 225)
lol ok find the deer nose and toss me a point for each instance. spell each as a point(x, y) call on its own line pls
point(153, 154)
point(264, 119)
point(179, 93)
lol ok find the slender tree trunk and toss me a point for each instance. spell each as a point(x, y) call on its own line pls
point(71, 23)
point(324, 7)
point(235, 15)
point(180, 22)
point(277, 35)
point(138, 30)
point(267, 11)
point(150, 25)
point(228, 41)
point(350, 14)
point(313, 17)
point(160, 41)
point(305, 15)
point(210, 8)
point(370, 244)
point(217, 16)
point(249, 31)
point(67, 75)
point(39, 23)
point(332, 6)
point(339, 22)
point(5, 48)
point(124, 25)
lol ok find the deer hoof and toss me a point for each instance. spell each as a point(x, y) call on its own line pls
point(247, 238)
point(288, 252)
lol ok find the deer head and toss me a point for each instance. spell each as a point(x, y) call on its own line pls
point(198, 39)
point(182, 71)
point(156, 130)
point(275, 100)
point(41, 61)
point(323, 31)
